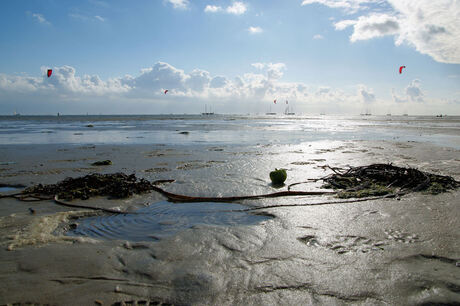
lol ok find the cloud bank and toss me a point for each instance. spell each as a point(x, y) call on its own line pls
point(431, 27)
point(187, 92)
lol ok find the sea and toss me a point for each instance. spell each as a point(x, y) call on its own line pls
point(225, 129)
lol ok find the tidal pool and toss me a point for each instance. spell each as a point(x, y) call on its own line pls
point(8, 188)
point(163, 219)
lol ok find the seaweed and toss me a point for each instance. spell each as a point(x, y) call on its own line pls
point(382, 179)
point(102, 163)
point(356, 184)
point(116, 185)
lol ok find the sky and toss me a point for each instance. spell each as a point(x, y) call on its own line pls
point(313, 56)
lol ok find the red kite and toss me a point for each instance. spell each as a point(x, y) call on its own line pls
point(401, 68)
point(166, 91)
point(274, 101)
point(50, 71)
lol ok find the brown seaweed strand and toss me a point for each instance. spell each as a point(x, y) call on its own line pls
point(325, 203)
point(113, 211)
point(183, 198)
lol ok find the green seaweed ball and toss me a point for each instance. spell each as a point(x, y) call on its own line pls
point(278, 176)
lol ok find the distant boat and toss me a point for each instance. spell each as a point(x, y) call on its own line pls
point(287, 112)
point(16, 114)
point(367, 113)
point(270, 111)
point(206, 113)
point(388, 114)
point(405, 114)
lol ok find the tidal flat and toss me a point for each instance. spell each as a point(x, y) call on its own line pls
point(395, 251)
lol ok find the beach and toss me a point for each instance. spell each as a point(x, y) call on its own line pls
point(399, 251)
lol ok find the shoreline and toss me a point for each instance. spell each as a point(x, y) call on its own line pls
point(374, 252)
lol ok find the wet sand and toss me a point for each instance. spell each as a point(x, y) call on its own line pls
point(387, 251)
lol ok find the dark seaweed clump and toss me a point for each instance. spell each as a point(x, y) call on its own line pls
point(116, 185)
point(382, 179)
point(102, 163)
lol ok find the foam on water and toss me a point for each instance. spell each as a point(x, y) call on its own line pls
point(41, 230)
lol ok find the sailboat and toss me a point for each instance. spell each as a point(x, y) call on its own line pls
point(287, 112)
point(206, 111)
point(270, 111)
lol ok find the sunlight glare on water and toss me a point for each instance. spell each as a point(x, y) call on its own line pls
point(163, 219)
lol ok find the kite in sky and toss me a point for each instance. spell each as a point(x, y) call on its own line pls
point(274, 101)
point(50, 71)
point(166, 91)
point(401, 68)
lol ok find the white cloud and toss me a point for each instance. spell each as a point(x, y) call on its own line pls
point(85, 18)
point(255, 30)
point(19, 84)
point(412, 93)
point(367, 27)
point(160, 76)
point(198, 80)
point(343, 24)
point(431, 27)
point(397, 98)
point(274, 71)
point(212, 9)
point(318, 36)
point(65, 81)
point(366, 95)
point(179, 4)
point(258, 65)
point(349, 6)
point(218, 82)
point(40, 18)
point(238, 8)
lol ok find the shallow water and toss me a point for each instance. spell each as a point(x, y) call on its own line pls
point(7, 189)
point(163, 219)
point(369, 253)
point(225, 129)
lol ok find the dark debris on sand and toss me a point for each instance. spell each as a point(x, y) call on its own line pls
point(116, 185)
point(356, 182)
point(382, 179)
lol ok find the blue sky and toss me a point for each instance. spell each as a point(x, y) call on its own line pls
point(321, 55)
